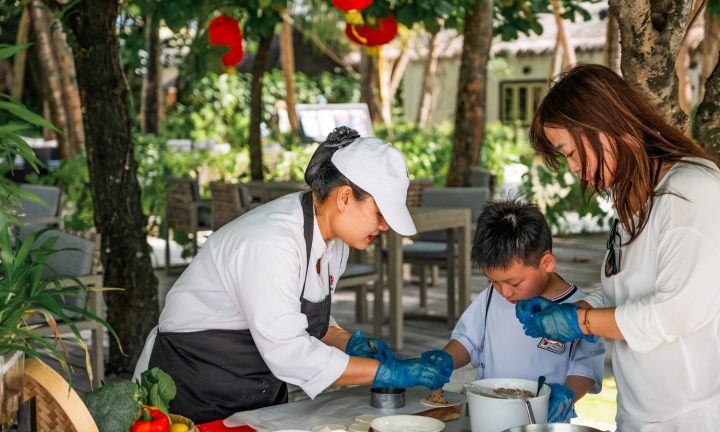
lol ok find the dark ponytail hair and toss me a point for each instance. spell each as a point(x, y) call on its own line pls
point(321, 174)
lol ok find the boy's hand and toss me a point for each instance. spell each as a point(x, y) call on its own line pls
point(441, 359)
point(360, 346)
point(558, 322)
point(525, 308)
point(406, 373)
point(560, 407)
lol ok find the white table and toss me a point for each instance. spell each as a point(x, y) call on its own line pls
point(429, 219)
point(339, 407)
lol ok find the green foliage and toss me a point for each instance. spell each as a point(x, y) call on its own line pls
point(31, 288)
point(427, 150)
point(558, 194)
point(503, 145)
point(219, 106)
point(115, 406)
point(73, 178)
point(159, 388)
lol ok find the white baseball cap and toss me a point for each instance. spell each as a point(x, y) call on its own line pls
point(380, 170)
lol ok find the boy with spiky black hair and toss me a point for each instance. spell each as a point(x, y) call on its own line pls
point(513, 247)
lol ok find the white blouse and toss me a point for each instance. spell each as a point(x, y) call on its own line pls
point(667, 299)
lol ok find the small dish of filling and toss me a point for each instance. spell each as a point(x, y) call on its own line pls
point(441, 398)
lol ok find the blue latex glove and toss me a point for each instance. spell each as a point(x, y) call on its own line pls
point(558, 322)
point(441, 359)
point(525, 308)
point(560, 407)
point(405, 373)
point(360, 346)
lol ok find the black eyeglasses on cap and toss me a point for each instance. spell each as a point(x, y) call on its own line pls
point(614, 243)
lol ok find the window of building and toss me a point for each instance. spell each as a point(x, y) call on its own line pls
point(520, 100)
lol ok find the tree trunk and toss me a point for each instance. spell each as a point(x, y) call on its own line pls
point(399, 68)
point(710, 47)
point(256, 108)
point(20, 58)
point(651, 32)
point(470, 109)
point(115, 191)
point(367, 85)
point(426, 99)
point(71, 95)
point(564, 57)
point(611, 53)
point(707, 120)
point(707, 117)
point(288, 66)
point(53, 87)
point(151, 100)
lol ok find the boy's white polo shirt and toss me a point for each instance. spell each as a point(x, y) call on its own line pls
point(249, 275)
point(508, 353)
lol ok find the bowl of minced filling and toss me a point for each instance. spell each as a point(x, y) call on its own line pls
point(499, 403)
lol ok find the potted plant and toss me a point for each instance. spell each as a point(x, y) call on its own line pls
point(30, 291)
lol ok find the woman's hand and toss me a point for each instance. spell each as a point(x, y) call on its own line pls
point(558, 322)
point(361, 346)
point(405, 373)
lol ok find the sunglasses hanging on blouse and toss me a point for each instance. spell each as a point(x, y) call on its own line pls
point(614, 241)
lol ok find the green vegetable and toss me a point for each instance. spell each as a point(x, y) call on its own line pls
point(159, 388)
point(115, 406)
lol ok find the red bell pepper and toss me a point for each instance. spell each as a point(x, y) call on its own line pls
point(151, 420)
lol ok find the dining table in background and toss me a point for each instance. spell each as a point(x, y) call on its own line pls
point(457, 223)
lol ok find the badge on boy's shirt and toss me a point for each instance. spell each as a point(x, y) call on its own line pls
point(552, 346)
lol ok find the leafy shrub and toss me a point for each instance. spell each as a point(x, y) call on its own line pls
point(559, 196)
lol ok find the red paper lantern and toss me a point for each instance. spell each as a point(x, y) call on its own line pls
point(369, 35)
point(349, 5)
point(225, 30)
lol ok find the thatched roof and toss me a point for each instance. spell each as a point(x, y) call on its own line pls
point(585, 36)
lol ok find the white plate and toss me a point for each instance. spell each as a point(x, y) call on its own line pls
point(453, 399)
point(407, 423)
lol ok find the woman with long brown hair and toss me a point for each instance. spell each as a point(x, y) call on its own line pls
point(660, 297)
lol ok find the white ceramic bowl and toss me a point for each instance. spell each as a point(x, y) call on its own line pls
point(489, 414)
point(407, 423)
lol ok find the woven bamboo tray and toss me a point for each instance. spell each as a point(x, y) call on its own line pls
point(59, 408)
point(184, 420)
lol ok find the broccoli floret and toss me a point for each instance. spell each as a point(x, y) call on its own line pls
point(115, 406)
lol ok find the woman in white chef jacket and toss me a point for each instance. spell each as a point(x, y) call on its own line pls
point(660, 297)
point(252, 311)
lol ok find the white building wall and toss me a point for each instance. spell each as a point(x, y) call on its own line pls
point(518, 68)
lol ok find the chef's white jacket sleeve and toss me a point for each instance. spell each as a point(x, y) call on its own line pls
point(265, 287)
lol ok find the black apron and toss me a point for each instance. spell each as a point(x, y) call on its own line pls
point(221, 372)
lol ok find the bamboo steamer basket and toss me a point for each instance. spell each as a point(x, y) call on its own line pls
point(59, 408)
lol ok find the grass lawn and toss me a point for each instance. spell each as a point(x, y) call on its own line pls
point(599, 407)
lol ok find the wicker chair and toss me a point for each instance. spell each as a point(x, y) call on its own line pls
point(183, 208)
point(228, 201)
point(415, 191)
point(58, 406)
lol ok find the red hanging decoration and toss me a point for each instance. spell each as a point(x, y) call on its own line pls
point(369, 35)
point(225, 30)
point(350, 5)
